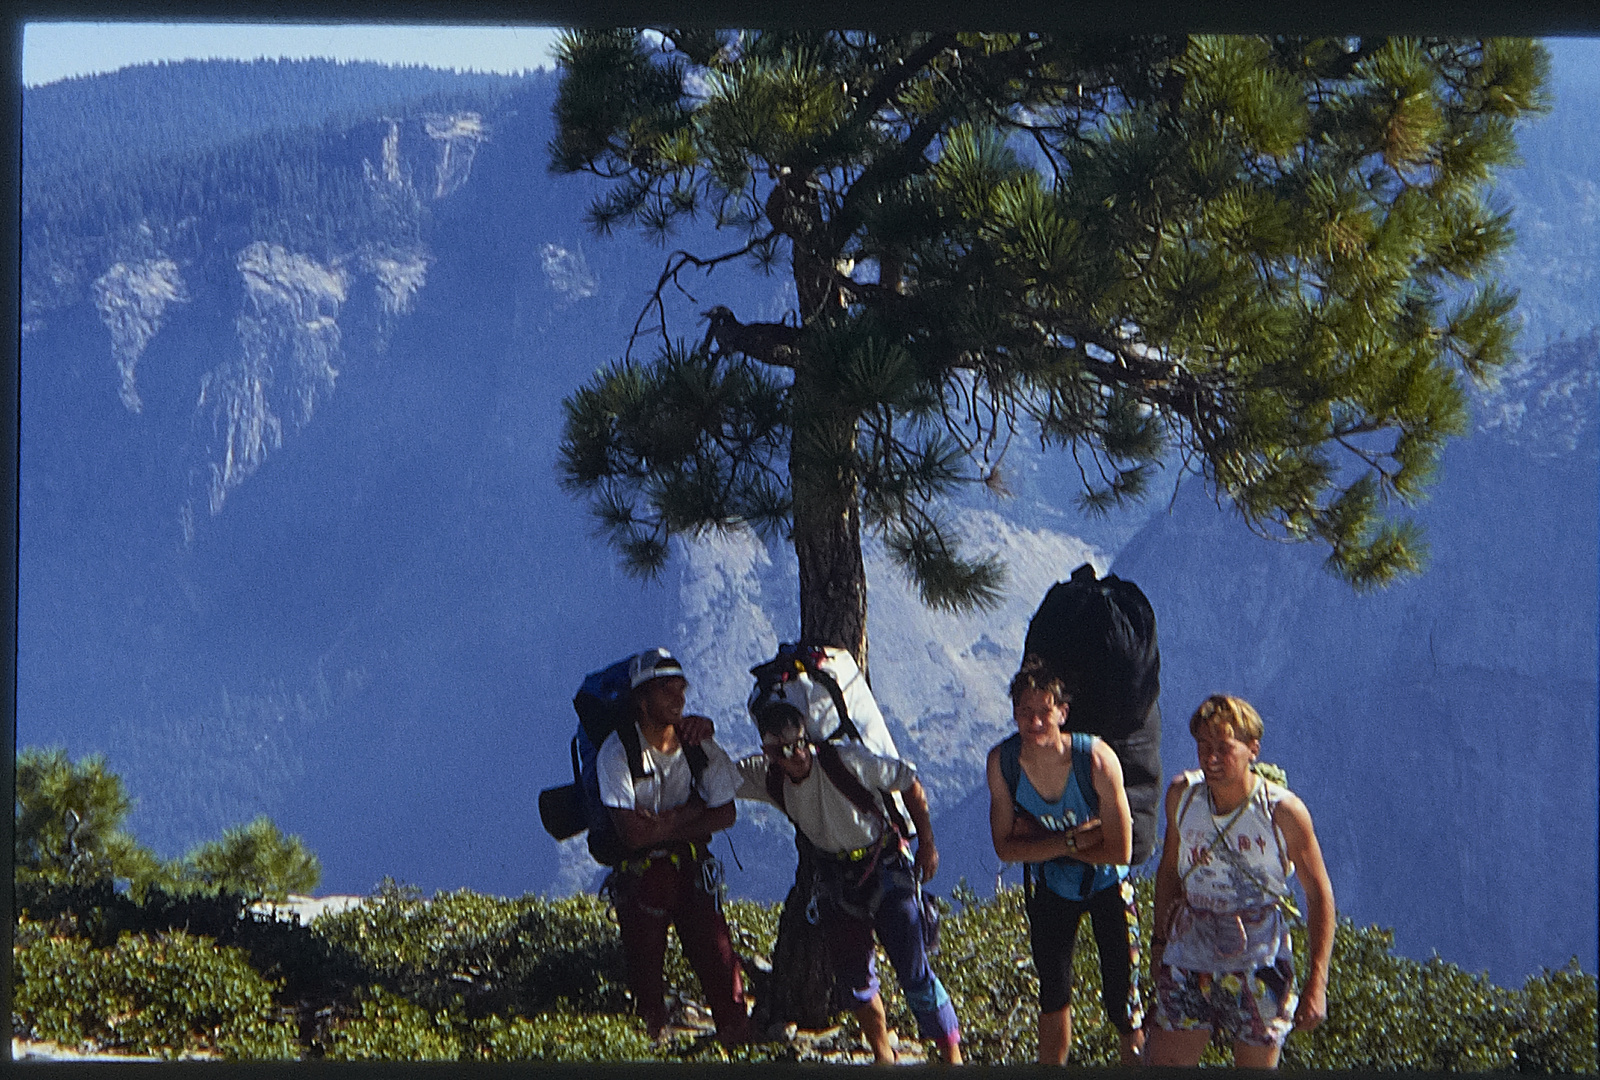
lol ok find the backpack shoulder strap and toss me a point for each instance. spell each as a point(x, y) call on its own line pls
point(1193, 776)
point(1271, 795)
point(696, 757)
point(839, 774)
point(1011, 772)
point(1011, 762)
point(1083, 768)
point(775, 785)
point(847, 727)
point(628, 735)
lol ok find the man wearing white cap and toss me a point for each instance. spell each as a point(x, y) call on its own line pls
point(665, 807)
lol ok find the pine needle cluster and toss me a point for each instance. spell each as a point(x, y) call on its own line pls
point(1263, 260)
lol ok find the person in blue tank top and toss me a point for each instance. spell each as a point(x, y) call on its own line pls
point(1057, 805)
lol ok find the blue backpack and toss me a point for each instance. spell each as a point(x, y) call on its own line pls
point(602, 707)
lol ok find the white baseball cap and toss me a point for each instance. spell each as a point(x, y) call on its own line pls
point(653, 664)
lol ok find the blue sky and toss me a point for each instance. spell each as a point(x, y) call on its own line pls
point(52, 51)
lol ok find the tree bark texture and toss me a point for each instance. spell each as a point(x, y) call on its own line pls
point(833, 579)
point(800, 988)
point(827, 523)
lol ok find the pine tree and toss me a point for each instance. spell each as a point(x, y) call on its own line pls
point(68, 820)
point(1266, 260)
point(256, 861)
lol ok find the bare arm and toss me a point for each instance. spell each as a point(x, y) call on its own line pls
point(1294, 820)
point(1169, 886)
point(753, 779)
point(691, 821)
point(927, 854)
point(1013, 842)
point(1108, 839)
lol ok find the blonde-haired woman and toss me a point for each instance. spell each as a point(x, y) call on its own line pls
point(1221, 956)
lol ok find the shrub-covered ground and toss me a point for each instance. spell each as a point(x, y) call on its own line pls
point(463, 976)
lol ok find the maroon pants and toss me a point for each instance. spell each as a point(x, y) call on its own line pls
point(647, 902)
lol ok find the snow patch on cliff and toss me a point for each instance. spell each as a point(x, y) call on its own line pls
point(399, 277)
point(568, 273)
point(459, 135)
point(132, 300)
point(289, 340)
point(391, 155)
point(726, 594)
point(1546, 402)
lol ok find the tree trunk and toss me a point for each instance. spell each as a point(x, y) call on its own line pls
point(833, 602)
point(833, 581)
point(800, 987)
point(827, 528)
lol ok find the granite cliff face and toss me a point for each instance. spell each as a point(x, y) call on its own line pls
point(292, 543)
point(292, 538)
point(132, 302)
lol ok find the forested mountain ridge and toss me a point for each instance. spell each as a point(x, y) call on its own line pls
point(317, 206)
point(107, 125)
point(189, 160)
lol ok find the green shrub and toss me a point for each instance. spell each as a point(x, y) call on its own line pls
point(1559, 1033)
point(498, 955)
point(167, 994)
point(465, 976)
point(1390, 1012)
point(752, 926)
point(564, 1036)
point(392, 1028)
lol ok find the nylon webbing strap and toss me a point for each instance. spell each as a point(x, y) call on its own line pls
point(1284, 901)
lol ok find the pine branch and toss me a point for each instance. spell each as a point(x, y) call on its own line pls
point(776, 344)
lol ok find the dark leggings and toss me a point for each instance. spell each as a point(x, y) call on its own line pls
point(1053, 931)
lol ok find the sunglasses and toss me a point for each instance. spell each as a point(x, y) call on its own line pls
point(785, 750)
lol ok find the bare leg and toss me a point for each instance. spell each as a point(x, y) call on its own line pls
point(950, 1051)
point(1132, 1047)
point(1176, 1047)
point(875, 1028)
point(1255, 1057)
point(1055, 1036)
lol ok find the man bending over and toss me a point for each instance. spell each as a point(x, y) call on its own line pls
point(834, 792)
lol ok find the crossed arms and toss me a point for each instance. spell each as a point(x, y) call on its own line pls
point(1105, 840)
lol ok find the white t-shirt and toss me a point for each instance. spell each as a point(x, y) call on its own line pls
point(667, 779)
point(820, 810)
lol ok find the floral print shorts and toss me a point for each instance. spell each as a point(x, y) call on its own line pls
point(1255, 1009)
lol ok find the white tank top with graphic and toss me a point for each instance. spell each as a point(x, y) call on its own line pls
point(1229, 864)
point(1249, 866)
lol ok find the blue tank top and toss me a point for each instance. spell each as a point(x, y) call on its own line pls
point(1065, 876)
